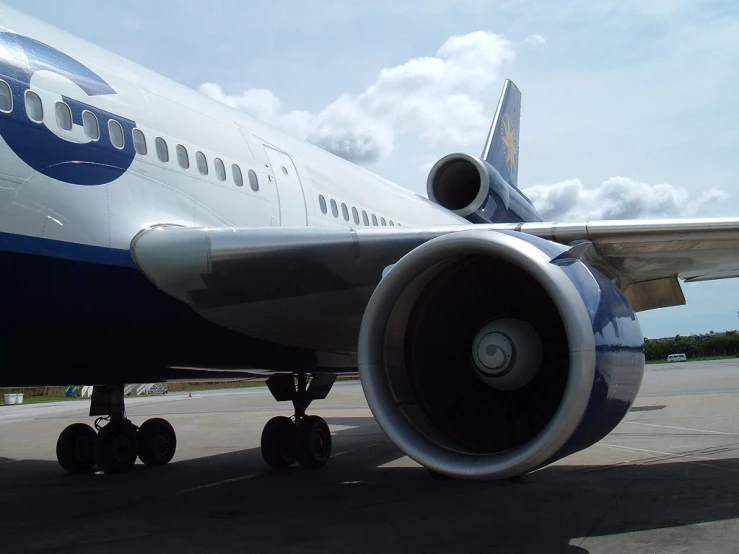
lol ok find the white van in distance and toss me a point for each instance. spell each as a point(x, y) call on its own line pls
point(677, 358)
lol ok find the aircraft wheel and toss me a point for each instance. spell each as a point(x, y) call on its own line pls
point(116, 447)
point(278, 442)
point(157, 442)
point(75, 448)
point(313, 442)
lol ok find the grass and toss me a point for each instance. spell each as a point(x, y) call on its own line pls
point(56, 394)
point(178, 386)
point(199, 386)
point(42, 399)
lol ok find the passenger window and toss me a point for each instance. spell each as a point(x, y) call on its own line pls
point(238, 177)
point(345, 211)
point(391, 223)
point(116, 133)
point(34, 108)
point(374, 220)
point(382, 220)
point(253, 181)
point(334, 208)
point(63, 116)
point(90, 125)
point(6, 97)
point(322, 203)
point(355, 215)
point(220, 169)
point(201, 162)
point(162, 150)
point(182, 158)
point(139, 142)
point(365, 219)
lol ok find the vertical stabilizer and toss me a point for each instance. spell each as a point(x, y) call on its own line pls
point(501, 147)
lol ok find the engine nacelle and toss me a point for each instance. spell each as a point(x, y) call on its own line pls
point(484, 355)
point(473, 189)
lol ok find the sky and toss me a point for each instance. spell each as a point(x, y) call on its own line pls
point(628, 111)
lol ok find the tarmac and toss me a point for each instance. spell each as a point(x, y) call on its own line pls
point(665, 481)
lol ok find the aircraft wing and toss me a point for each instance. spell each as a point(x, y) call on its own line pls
point(308, 286)
point(648, 257)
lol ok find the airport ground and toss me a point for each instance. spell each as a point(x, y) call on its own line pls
point(666, 480)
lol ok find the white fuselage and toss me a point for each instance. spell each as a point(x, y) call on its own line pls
point(294, 178)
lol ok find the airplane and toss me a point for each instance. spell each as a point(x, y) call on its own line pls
point(149, 233)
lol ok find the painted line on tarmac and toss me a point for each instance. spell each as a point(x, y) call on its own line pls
point(219, 483)
point(648, 451)
point(708, 432)
point(253, 475)
point(672, 456)
point(352, 450)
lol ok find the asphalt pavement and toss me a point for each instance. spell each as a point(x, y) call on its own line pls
point(666, 480)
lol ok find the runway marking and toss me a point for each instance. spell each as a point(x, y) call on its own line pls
point(680, 428)
point(219, 483)
point(351, 450)
point(634, 450)
point(338, 428)
point(251, 476)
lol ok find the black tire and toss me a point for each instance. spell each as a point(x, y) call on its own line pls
point(157, 442)
point(278, 442)
point(312, 442)
point(116, 447)
point(75, 448)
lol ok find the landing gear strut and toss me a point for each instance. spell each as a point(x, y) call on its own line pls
point(114, 446)
point(304, 438)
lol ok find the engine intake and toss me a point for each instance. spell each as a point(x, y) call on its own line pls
point(478, 356)
point(473, 189)
point(461, 183)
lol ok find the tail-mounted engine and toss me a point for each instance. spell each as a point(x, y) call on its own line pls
point(473, 189)
point(488, 354)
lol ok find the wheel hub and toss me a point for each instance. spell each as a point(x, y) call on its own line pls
point(83, 448)
point(161, 442)
point(121, 447)
point(319, 443)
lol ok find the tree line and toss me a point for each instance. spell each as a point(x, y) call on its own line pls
point(702, 346)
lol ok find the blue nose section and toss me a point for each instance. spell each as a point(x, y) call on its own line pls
point(91, 163)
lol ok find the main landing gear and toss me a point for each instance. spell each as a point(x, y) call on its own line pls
point(304, 438)
point(114, 446)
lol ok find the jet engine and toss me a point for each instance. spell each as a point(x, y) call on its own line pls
point(486, 354)
point(473, 189)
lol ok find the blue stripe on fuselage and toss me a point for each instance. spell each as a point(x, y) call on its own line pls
point(23, 244)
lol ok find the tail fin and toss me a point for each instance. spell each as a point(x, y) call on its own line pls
point(501, 147)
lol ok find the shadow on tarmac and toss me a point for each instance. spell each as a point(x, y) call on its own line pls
point(363, 501)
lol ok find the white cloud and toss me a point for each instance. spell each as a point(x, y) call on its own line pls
point(536, 40)
point(364, 142)
point(263, 105)
point(430, 98)
point(258, 102)
point(616, 198)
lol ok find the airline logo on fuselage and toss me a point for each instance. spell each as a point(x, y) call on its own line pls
point(71, 157)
